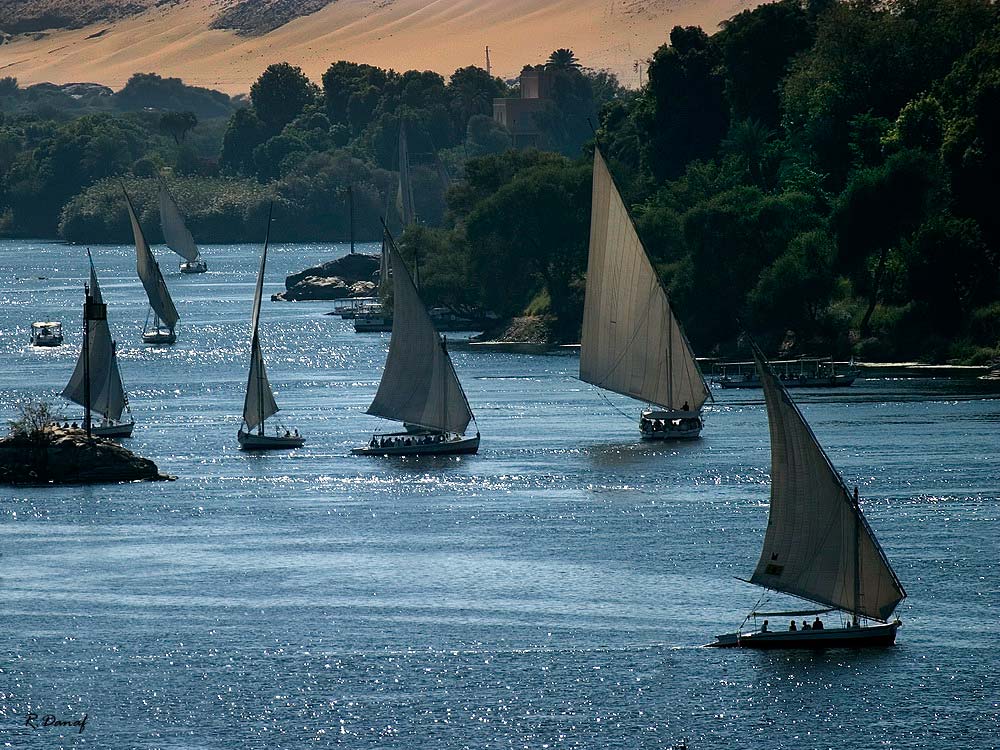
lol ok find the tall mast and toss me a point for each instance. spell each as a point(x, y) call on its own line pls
point(857, 554)
point(350, 200)
point(86, 359)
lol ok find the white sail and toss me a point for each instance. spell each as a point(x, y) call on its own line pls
point(631, 344)
point(149, 274)
point(259, 403)
point(818, 545)
point(407, 213)
point(419, 385)
point(107, 394)
point(175, 232)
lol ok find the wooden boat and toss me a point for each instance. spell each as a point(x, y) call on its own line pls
point(161, 306)
point(176, 234)
point(793, 373)
point(96, 382)
point(258, 402)
point(419, 386)
point(818, 545)
point(632, 343)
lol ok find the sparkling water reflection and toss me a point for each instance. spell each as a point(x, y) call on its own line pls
point(550, 592)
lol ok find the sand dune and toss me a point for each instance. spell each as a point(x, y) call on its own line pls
point(441, 35)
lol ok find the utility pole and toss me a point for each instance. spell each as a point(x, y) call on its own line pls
point(489, 69)
point(92, 311)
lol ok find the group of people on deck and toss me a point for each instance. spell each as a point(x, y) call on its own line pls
point(398, 441)
point(817, 624)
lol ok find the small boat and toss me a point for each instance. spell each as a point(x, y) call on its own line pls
point(632, 343)
point(419, 386)
point(96, 382)
point(793, 373)
point(818, 545)
point(46, 333)
point(259, 403)
point(176, 234)
point(161, 306)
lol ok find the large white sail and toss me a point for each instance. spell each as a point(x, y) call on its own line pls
point(419, 385)
point(259, 403)
point(818, 545)
point(149, 273)
point(407, 213)
point(631, 344)
point(107, 395)
point(175, 232)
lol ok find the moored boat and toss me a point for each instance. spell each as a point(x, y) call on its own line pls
point(818, 545)
point(632, 342)
point(793, 373)
point(46, 333)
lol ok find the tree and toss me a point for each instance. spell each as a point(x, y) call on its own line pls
point(177, 124)
point(562, 59)
point(280, 94)
point(244, 134)
point(8, 86)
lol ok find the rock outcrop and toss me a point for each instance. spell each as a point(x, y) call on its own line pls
point(349, 276)
point(59, 455)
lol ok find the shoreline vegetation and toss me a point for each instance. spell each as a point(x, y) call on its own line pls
point(823, 172)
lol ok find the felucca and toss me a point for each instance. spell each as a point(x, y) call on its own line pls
point(165, 315)
point(632, 343)
point(259, 403)
point(177, 235)
point(96, 383)
point(419, 386)
point(818, 545)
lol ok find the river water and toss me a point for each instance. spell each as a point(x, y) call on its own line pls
point(551, 592)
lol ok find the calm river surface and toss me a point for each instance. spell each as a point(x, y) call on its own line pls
point(551, 592)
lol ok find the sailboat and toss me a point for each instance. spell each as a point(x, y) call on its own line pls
point(165, 315)
point(376, 318)
point(176, 234)
point(419, 386)
point(818, 545)
point(632, 343)
point(98, 368)
point(259, 403)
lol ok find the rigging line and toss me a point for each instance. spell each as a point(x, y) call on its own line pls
point(600, 393)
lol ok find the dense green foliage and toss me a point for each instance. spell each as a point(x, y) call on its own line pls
point(820, 172)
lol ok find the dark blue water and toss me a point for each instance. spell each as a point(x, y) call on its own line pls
point(551, 592)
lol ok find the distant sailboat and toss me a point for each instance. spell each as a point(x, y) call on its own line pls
point(176, 234)
point(419, 386)
point(165, 315)
point(259, 403)
point(98, 364)
point(632, 343)
point(818, 545)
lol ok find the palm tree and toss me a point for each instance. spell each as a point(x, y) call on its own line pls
point(562, 59)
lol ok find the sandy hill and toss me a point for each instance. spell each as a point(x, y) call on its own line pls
point(114, 39)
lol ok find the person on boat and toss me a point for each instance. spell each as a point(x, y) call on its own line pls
point(805, 625)
point(295, 432)
point(74, 426)
point(685, 407)
point(791, 626)
point(817, 623)
point(763, 628)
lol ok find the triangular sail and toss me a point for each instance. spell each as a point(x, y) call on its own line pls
point(175, 232)
point(632, 343)
point(107, 395)
point(818, 545)
point(419, 385)
point(259, 403)
point(149, 273)
point(407, 213)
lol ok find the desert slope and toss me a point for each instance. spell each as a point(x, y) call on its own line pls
point(176, 39)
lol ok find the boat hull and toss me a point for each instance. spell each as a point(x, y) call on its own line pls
point(121, 430)
point(835, 381)
point(253, 442)
point(875, 636)
point(159, 337)
point(194, 266)
point(663, 425)
point(463, 446)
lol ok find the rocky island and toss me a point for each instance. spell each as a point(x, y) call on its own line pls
point(45, 453)
point(354, 275)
